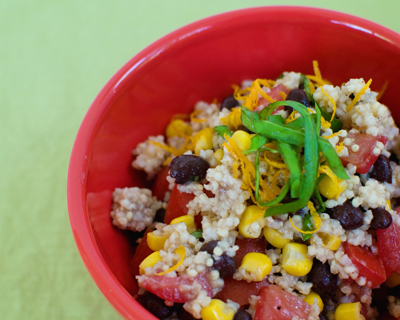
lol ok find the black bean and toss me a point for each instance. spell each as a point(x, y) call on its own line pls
point(209, 246)
point(382, 219)
point(297, 95)
point(349, 217)
point(225, 264)
point(188, 168)
point(322, 316)
point(242, 315)
point(324, 282)
point(160, 214)
point(184, 315)
point(382, 171)
point(155, 305)
point(229, 102)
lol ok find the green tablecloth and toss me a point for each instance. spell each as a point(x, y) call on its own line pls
point(55, 56)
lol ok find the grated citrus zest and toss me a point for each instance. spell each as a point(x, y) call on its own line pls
point(358, 95)
point(181, 251)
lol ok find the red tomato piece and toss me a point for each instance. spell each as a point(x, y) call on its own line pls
point(363, 159)
point(389, 247)
point(277, 304)
point(369, 265)
point(249, 245)
point(178, 289)
point(160, 185)
point(274, 94)
point(240, 291)
point(176, 205)
point(142, 251)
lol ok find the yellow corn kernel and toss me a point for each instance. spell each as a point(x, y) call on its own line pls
point(329, 189)
point(203, 140)
point(393, 280)
point(188, 220)
point(218, 155)
point(295, 260)
point(250, 215)
point(178, 127)
point(330, 242)
point(275, 238)
point(310, 299)
point(349, 311)
point(217, 310)
point(155, 242)
point(149, 261)
point(242, 139)
point(257, 264)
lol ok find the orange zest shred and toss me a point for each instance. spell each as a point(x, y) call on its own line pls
point(332, 101)
point(383, 90)
point(325, 124)
point(316, 220)
point(194, 114)
point(233, 119)
point(283, 95)
point(182, 116)
point(248, 171)
point(291, 117)
point(258, 89)
point(235, 169)
point(332, 135)
point(328, 171)
point(181, 251)
point(316, 70)
point(339, 147)
point(359, 95)
point(311, 87)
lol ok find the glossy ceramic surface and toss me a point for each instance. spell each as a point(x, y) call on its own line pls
point(200, 62)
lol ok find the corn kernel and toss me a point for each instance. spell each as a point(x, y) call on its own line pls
point(295, 260)
point(393, 280)
point(349, 311)
point(178, 127)
point(188, 220)
point(329, 189)
point(330, 242)
point(155, 242)
point(250, 215)
point(218, 155)
point(203, 140)
point(149, 261)
point(311, 297)
point(217, 310)
point(257, 264)
point(275, 238)
point(242, 139)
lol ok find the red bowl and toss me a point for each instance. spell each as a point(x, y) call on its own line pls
point(200, 62)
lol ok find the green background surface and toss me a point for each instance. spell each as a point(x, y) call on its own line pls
point(55, 56)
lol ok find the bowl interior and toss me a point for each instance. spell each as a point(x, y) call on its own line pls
point(201, 62)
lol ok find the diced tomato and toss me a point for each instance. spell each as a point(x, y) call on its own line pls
point(177, 289)
point(142, 251)
point(160, 185)
point(389, 247)
point(249, 245)
point(368, 264)
point(277, 304)
point(240, 291)
point(176, 205)
point(364, 158)
point(274, 94)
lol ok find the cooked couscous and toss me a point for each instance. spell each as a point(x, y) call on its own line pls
point(276, 203)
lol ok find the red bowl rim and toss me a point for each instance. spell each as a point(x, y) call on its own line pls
point(90, 253)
